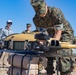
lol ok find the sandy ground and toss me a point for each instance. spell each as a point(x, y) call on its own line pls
point(3, 71)
point(73, 73)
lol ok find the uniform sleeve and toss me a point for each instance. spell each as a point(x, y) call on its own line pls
point(0, 33)
point(23, 32)
point(58, 27)
point(3, 33)
point(36, 21)
point(59, 17)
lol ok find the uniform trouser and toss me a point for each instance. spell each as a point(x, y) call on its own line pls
point(3, 59)
point(64, 65)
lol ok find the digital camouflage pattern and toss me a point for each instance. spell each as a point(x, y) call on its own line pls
point(39, 6)
point(74, 39)
point(25, 32)
point(55, 17)
point(41, 68)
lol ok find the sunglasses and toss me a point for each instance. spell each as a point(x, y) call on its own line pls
point(9, 23)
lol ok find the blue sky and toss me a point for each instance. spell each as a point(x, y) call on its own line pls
point(21, 12)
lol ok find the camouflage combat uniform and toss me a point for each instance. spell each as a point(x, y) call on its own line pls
point(27, 31)
point(53, 18)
